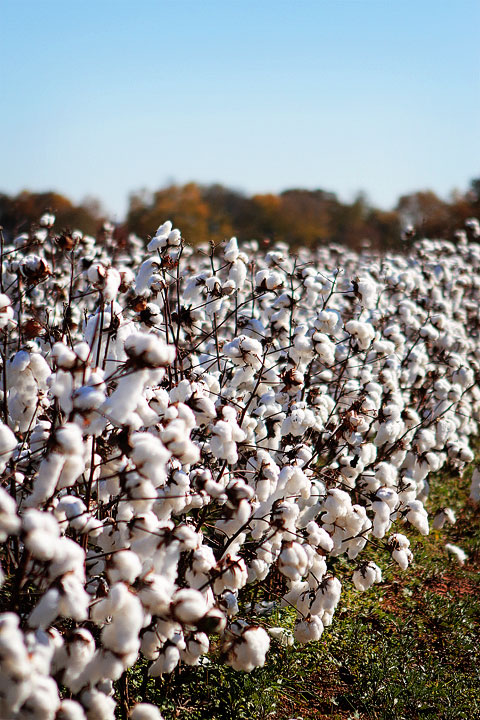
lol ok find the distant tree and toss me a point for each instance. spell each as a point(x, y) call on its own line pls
point(183, 205)
point(430, 215)
point(17, 213)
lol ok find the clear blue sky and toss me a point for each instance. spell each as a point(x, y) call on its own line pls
point(102, 97)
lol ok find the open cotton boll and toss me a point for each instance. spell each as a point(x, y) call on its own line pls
point(125, 566)
point(70, 710)
point(98, 705)
point(145, 711)
point(417, 516)
point(399, 546)
point(167, 661)
point(457, 552)
point(366, 575)
point(8, 443)
point(249, 650)
point(9, 520)
point(196, 645)
point(231, 251)
point(150, 456)
point(475, 486)
point(443, 516)
point(46, 610)
point(6, 311)
point(43, 700)
point(41, 533)
point(309, 629)
point(147, 350)
point(188, 605)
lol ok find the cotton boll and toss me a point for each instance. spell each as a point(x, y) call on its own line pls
point(366, 575)
point(327, 596)
point(9, 520)
point(417, 516)
point(248, 651)
point(43, 700)
point(41, 532)
point(166, 662)
point(188, 605)
point(70, 710)
point(98, 705)
point(148, 350)
point(8, 443)
point(196, 645)
point(126, 566)
point(308, 630)
point(293, 561)
point(145, 711)
point(475, 486)
point(6, 311)
point(399, 546)
point(457, 552)
point(443, 516)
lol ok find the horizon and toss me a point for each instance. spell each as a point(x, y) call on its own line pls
point(103, 100)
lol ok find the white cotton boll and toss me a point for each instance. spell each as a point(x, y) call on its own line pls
point(98, 705)
point(282, 635)
point(337, 503)
point(41, 532)
point(188, 605)
point(43, 700)
point(145, 711)
point(443, 516)
point(293, 561)
point(249, 650)
point(73, 600)
point(166, 662)
point(8, 443)
point(70, 710)
point(6, 311)
point(69, 557)
point(457, 552)
point(318, 537)
point(399, 546)
point(68, 439)
point(150, 456)
point(148, 350)
point(327, 596)
point(9, 520)
point(46, 610)
point(75, 656)
point(160, 239)
point(196, 645)
point(417, 516)
point(308, 630)
point(126, 566)
point(74, 510)
point(475, 486)
point(366, 575)
point(231, 250)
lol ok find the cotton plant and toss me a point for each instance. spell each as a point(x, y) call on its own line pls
point(182, 428)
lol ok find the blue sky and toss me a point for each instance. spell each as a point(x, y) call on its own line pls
point(102, 97)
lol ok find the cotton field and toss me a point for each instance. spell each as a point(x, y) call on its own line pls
point(183, 425)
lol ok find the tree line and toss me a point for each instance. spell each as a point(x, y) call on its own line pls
point(215, 212)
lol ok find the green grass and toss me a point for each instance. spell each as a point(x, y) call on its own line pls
point(407, 649)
